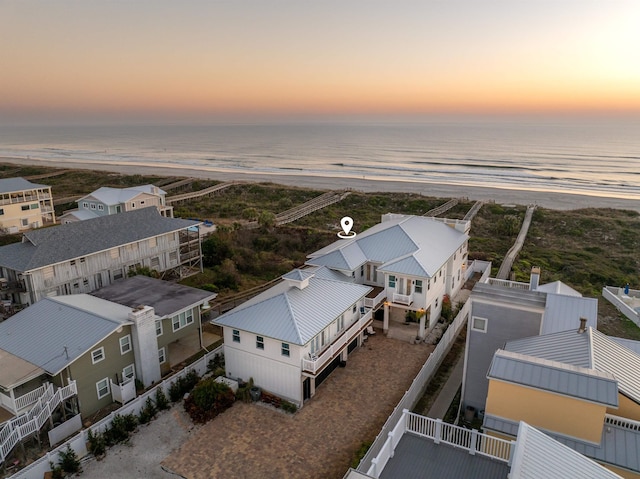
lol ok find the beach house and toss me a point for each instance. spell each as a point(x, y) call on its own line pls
point(412, 262)
point(87, 255)
point(109, 201)
point(289, 338)
point(24, 205)
point(506, 310)
point(581, 387)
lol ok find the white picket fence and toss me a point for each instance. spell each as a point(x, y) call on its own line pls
point(78, 442)
point(416, 389)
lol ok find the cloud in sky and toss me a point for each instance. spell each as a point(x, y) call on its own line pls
point(279, 57)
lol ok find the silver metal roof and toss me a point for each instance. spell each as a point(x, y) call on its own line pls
point(9, 185)
point(165, 297)
point(115, 196)
point(409, 266)
point(56, 244)
point(558, 287)
point(294, 315)
point(553, 376)
point(563, 313)
point(538, 456)
point(298, 275)
point(628, 343)
point(566, 347)
point(54, 332)
point(80, 215)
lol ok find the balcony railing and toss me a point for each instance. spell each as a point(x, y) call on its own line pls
point(373, 302)
point(508, 284)
point(403, 298)
point(441, 432)
point(315, 365)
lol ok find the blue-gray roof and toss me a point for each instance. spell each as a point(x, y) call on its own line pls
point(81, 215)
point(54, 332)
point(553, 376)
point(9, 185)
point(46, 246)
point(115, 196)
point(563, 312)
point(538, 456)
point(287, 313)
point(566, 347)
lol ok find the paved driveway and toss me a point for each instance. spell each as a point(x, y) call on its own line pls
point(319, 441)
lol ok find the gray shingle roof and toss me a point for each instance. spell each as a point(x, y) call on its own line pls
point(166, 298)
point(9, 185)
point(54, 332)
point(46, 246)
point(538, 456)
point(553, 376)
point(293, 315)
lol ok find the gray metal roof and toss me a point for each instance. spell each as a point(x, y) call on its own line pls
point(566, 347)
point(294, 315)
point(115, 196)
point(538, 456)
point(628, 343)
point(46, 246)
point(420, 458)
point(9, 185)
point(298, 275)
point(563, 313)
point(553, 376)
point(165, 297)
point(500, 424)
point(54, 332)
point(558, 287)
point(430, 242)
point(81, 215)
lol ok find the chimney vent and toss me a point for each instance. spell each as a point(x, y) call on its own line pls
point(583, 325)
point(535, 278)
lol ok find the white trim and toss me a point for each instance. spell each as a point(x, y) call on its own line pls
point(93, 359)
point(106, 381)
point(133, 372)
point(480, 330)
point(180, 320)
point(162, 353)
point(161, 328)
point(128, 343)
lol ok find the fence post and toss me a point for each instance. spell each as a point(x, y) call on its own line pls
point(438, 432)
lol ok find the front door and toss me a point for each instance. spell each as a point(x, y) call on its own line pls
point(306, 389)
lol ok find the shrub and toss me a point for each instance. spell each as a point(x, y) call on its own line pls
point(97, 444)
point(183, 385)
point(216, 362)
point(56, 471)
point(69, 461)
point(162, 402)
point(130, 422)
point(242, 394)
point(117, 432)
point(288, 407)
point(208, 399)
point(148, 412)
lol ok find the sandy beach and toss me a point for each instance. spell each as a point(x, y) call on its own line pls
point(551, 200)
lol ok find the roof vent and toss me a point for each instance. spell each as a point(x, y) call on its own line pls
point(534, 281)
point(583, 325)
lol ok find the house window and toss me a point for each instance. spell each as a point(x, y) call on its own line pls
point(129, 372)
point(48, 272)
point(361, 271)
point(392, 281)
point(85, 282)
point(428, 284)
point(142, 202)
point(418, 286)
point(117, 274)
point(162, 358)
point(93, 206)
point(25, 207)
point(236, 336)
point(479, 324)
point(72, 262)
point(259, 342)
point(436, 302)
point(341, 321)
point(181, 320)
point(440, 273)
point(100, 207)
point(285, 349)
point(354, 309)
point(82, 260)
point(24, 221)
point(133, 204)
point(1, 211)
point(155, 262)
point(125, 344)
point(159, 327)
point(85, 204)
point(173, 256)
point(115, 253)
point(102, 387)
point(97, 355)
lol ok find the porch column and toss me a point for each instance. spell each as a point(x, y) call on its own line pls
point(385, 322)
point(422, 325)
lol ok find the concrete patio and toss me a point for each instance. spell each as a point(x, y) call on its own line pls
point(320, 440)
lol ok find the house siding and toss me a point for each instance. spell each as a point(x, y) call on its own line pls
point(169, 336)
point(87, 374)
point(11, 204)
point(626, 408)
point(505, 323)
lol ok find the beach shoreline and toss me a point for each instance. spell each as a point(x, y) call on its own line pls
point(545, 199)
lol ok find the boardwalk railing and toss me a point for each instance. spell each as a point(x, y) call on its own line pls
point(507, 263)
point(197, 194)
point(473, 211)
point(29, 423)
point(438, 210)
point(416, 389)
point(441, 433)
point(78, 442)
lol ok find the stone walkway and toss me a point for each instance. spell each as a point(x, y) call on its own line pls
point(320, 440)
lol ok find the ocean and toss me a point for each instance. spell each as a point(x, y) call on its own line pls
point(582, 156)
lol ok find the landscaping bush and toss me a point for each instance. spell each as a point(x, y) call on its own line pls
point(97, 444)
point(148, 412)
point(288, 407)
point(69, 461)
point(118, 431)
point(208, 399)
point(162, 402)
point(183, 385)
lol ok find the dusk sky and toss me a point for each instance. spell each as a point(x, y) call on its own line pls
point(200, 59)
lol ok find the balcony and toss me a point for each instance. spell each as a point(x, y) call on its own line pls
point(405, 299)
point(508, 284)
point(316, 365)
point(375, 297)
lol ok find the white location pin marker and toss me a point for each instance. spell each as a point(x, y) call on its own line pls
point(347, 224)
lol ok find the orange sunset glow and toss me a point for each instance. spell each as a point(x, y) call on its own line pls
point(164, 58)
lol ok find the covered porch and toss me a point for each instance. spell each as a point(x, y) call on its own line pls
point(182, 349)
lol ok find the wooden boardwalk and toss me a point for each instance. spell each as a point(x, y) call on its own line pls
point(178, 184)
point(47, 175)
point(66, 199)
point(473, 211)
point(197, 194)
point(507, 263)
point(438, 210)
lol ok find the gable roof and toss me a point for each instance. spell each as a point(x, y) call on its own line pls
point(115, 196)
point(293, 315)
point(165, 297)
point(538, 456)
point(558, 287)
point(46, 246)
point(563, 312)
point(412, 245)
point(593, 350)
point(54, 332)
point(9, 185)
point(79, 215)
point(554, 376)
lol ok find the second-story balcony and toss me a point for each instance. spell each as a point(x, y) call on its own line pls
point(405, 299)
point(316, 364)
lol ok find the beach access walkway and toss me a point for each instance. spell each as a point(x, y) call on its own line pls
point(507, 263)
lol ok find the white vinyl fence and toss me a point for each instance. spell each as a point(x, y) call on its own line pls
point(78, 442)
point(418, 385)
